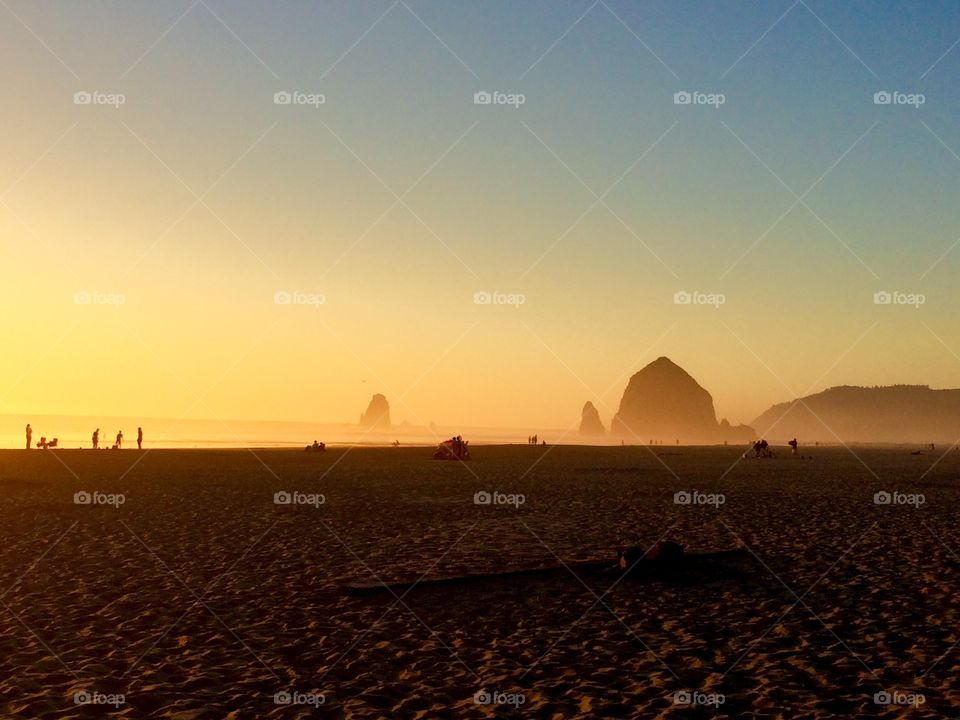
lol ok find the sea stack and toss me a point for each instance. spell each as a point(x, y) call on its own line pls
point(590, 423)
point(377, 415)
point(663, 403)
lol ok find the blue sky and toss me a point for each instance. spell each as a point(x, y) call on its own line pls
point(597, 200)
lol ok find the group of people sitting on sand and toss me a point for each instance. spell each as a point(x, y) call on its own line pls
point(44, 443)
point(761, 449)
point(316, 447)
point(456, 448)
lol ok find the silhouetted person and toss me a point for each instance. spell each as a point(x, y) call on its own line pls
point(139, 438)
point(29, 435)
point(119, 439)
point(96, 438)
point(793, 446)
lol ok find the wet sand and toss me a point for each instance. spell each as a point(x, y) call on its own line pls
point(199, 597)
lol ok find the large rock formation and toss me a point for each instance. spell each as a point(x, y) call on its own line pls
point(590, 423)
point(736, 434)
point(895, 413)
point(662, 402)
point(378, 413)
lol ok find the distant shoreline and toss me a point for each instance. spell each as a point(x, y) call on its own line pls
point(226, 446)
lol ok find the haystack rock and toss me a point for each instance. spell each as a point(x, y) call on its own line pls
point(377, 414)
point(662, 402)
point(590, 423)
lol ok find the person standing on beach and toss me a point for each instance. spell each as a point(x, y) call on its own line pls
point(139, 438)
point(96, 438)
point(119, 439)
point(29, 435)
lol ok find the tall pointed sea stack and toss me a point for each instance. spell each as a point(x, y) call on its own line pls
point(377, 415)
point(590, 423)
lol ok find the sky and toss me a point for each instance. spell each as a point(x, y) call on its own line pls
point(176, 242)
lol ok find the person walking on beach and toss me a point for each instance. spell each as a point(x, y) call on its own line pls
point(119, 439)
point(29, 435)
point(96, 438)
point(139, 438)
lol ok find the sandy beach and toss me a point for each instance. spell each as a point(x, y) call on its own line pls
point(178, 588)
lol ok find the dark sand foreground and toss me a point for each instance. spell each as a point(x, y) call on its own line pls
point(199, 597)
